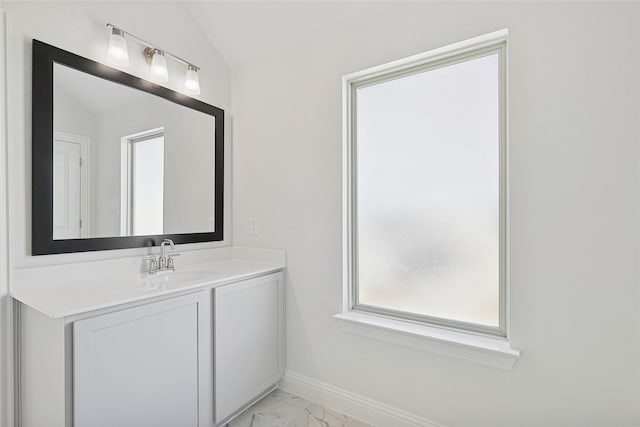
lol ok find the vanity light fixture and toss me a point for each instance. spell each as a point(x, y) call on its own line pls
point(158, 69)
point(191, 81)
point(156, 58)
point(118, 53)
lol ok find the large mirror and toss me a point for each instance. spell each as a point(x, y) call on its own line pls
point(118, 161)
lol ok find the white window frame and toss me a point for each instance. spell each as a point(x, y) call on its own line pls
point(385, 323)
point(126, 173)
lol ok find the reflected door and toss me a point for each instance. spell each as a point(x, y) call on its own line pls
point(70, 186)
point(66, 190)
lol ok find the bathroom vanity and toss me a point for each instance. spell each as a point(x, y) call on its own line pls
point(193, 347)
point(105, 343)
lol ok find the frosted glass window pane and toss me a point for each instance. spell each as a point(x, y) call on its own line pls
point(428, 193)
point(147, 186)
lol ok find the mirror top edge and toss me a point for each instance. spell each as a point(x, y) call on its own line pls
point(56, 55)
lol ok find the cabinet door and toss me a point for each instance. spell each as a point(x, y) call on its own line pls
point(141, 367)
point(249, 341)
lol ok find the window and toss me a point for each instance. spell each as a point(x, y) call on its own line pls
point(425, 188)
point(142, 182)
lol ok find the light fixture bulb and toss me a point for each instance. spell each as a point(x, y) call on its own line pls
point(117, 53)
point(158, 70)
point(191, 81)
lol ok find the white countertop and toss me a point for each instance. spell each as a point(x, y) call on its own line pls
point(61, 291)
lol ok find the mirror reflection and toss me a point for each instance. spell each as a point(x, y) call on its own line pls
point(127, 162)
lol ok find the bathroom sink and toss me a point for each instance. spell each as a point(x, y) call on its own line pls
point(169, 278)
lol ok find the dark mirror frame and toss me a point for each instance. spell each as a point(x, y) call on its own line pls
point(42, 242)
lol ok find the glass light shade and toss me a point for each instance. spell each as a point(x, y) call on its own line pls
point(191, 81)
point(158, 71)
point(117, 53)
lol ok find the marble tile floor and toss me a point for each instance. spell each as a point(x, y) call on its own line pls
point(282, 409)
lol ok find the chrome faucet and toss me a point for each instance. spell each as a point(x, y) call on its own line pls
point(162, 261)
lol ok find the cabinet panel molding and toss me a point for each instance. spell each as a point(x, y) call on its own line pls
point(249, 342)
point(142, 366)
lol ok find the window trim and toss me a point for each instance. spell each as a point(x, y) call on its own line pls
point(451, 54)
point(486, 350)
point(126, 175)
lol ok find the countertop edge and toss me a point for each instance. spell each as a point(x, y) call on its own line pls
point(263, 269)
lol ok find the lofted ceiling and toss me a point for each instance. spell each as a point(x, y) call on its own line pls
point(246, 32)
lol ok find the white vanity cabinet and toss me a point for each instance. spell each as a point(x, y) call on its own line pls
point(249, 342)
point(141, 366)
point(194, 358)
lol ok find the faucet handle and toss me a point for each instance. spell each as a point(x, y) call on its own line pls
point(170, 260)
point(153, 261)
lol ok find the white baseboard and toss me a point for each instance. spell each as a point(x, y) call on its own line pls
point(357, 406)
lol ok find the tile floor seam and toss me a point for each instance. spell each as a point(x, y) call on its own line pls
point(271, 411)
point(298, 414)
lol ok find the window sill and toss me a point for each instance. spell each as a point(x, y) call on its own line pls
point(484, 350)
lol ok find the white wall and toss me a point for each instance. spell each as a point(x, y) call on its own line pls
point(70, 116)
point(79, 27)
point(6, 373)
point(188, 165)
point(575, 217)
point(122, 111)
